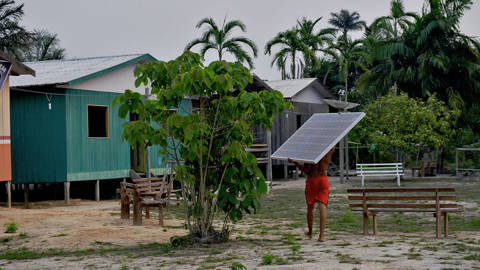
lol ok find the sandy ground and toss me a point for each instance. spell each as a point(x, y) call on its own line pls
point(79, 225)
point(91, 226)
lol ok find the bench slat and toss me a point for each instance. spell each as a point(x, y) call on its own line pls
point(374, 210)
point(404, 205)
point(376, 172)
point(402, 198)
point(361, 190)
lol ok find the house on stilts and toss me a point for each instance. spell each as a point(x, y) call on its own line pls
point(64, 128)
point(8, 67)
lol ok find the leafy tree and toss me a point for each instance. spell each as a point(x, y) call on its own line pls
point(12, 35)
point(43, 46)
point(432, 56)
point(399, 123)
point(218, 177)
point(218, 39)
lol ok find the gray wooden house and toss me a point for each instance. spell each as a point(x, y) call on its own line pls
point(307, 97)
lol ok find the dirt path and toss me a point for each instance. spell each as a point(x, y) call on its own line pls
point(91, 235)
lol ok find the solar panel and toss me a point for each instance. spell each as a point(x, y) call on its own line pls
point(312, 141)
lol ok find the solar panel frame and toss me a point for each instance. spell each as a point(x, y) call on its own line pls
point(280, 155)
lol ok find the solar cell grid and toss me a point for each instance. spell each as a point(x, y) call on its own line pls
point(317, 136)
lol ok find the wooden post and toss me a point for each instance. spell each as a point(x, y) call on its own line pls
point(347, 169)
point(25, 194)
point(374, 218)
point(137, 209)
point(285, 170)
point(97, 190)
point(8, 185)
point(125, 204)
point(456, 162)
point(365, 215)
point(341, 165)
point(66, 192)
point(445, 224)
point(269, 161)
point(437, 214)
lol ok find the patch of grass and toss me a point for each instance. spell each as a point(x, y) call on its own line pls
point(10, 227)
point(475, 257)
point(237, 266)
point(124, 267)
point(384, 243)
point(267, 259)
point(60, 235)
point(295, 248)
point(100, 243)
point(289, 239)
point(214, 251)
point(414, 256)
point(6, 239)
point(346, 258)
point(432, 248)
point(23, 235)
point(344, 244)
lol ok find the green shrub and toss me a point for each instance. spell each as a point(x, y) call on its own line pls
point(11, 227)
point(348, 217)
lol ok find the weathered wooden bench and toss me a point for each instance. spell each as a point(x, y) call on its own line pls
point(143, 193)
point(147, 193)
point(380, 169)
point(428, 200)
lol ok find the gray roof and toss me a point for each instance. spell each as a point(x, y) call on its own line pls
point(290, 88)
point(18, 68)
point(69, 72)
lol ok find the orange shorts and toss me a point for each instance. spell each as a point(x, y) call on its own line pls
point(316, 190)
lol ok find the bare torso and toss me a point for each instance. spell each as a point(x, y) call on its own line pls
point(319, 169)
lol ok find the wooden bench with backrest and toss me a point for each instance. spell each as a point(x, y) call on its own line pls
point(147, 193)
point(144, 193)
point(371, 201)
point(380, 169)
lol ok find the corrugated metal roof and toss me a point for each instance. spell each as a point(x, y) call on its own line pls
point(65, 71)
point(290, 88)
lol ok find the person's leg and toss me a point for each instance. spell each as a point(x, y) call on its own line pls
point(310, 208)
point(323, 220)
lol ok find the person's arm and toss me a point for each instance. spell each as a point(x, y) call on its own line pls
point(299, 166)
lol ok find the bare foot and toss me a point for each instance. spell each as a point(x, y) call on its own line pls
point(321, 239)
point(309, 235)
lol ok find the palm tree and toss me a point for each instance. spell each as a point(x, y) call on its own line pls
point(315, 41)
point(344, 21)
point(290, 47)
point(348, 54)
point(12, 35)
point(218, 39)
point(43, 46)
point(399, 21)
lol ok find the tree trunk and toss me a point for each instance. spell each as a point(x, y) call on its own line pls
point(293, 65)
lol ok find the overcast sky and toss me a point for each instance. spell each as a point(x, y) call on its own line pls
point(163, 28)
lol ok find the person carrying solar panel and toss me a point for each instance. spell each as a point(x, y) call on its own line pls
point(316, 191)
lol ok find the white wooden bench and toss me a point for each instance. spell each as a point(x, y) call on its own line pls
point(380, 169)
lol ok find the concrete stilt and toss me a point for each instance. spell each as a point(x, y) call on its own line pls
point(66, 192)
point(25, 194)
point(8, 185)
point(97, 191)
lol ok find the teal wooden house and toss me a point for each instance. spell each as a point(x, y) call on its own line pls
point(64, 127)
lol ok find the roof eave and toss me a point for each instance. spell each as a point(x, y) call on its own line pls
point(18, 68)
point(110, 69)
